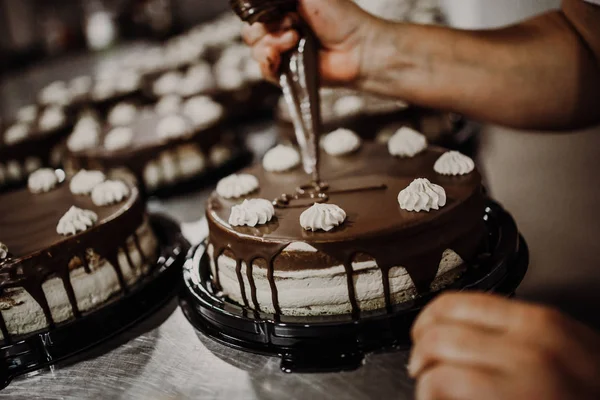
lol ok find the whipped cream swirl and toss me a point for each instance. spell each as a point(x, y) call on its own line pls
point(173, 127)
point(454, 163)
point(281, 158)
point(3, 252)
point(407, 142)
point(422, 195)
point(169, 104)
point(118, 138)
point(76, 220)
point(348, 105)
point(16, 133)
point(235, 186)
point(52, 118)
point(27, 114)
point(43, 180)
point(203, 111)
point(122, 114)
point(252, 212)
point(109, 192)
point(341, 142)
point(322, 217)
point(84, 181)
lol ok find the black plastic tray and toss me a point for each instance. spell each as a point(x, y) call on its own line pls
point(39, 350)
point(335, 343)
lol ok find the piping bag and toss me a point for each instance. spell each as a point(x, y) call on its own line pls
point(299, 77)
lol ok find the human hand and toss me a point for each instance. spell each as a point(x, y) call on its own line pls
point(343, 29)
point(479, 346)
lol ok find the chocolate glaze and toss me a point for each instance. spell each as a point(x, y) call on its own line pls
point(366, 185)
point(28, 225)
point(145, 147)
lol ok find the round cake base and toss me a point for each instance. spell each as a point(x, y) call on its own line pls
point(42, 349)
point(340, 342)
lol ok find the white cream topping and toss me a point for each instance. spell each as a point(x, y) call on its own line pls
point(348, 105)
point(84, 137)
point(128, 81)
point(422, 195)
point(169, 104)
point(252, 71)
point(454, 163)
point(203, 111)
point(229, 78)
point(281, 158)
point(341, 142)
point(76, 220)
point(173, 127)
point(235, 186)
point(322, 217)
point(167, 83)
point(252, 212)
point(103, 89)
point(43, 180)
point(80, 86)
point(3, 251)
point(199, 78)
point(109, 192)
point(27, 114)
point(84, 181)
point(406, 142)
point(122, 114)
point(55, 93)
point(16, 133)
point(52, 118)
point(118, 138)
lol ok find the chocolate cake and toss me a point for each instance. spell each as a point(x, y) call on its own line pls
point(385, 224)
point(31, 141)
point(161, 150)
point(68, 246)
point(371, 117)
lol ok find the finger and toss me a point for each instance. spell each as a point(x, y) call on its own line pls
point(463, 345)
point(483, 310)
point(449, 382)
point(324, 17)
point(251, 34)
point(269, 59)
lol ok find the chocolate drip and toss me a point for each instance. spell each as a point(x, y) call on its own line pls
point(351, 290)
point(136, 242)
point(84, 262)
point(217, 279)
point(113, 259)
point(385, 281)
point(250, 277)
point(4, 329)
point(36, 291)
point(238, 273)
point(66, 279)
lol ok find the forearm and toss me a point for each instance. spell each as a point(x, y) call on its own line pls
point(540, 74)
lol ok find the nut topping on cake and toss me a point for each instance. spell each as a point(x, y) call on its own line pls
point(252, 212)
point(109, 192)
point(322, 217)
point(422, 195)
point(407, 142)
point(76, 220)
point(281, 158)
point(454, 163)
point(43, 180)
point(341, 142)
point(235, 186)
point(84, 181)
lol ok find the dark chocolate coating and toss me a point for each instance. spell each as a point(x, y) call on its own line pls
point(366, 185)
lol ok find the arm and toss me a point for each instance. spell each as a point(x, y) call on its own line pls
point(541, 74)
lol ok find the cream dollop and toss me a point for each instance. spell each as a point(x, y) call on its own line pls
point(169, 104)
point(235, 186)
point(43, 180)
point(167, 83)
point(52, 118)
point(173, 127)
point(281, 158)
point(118, 138)
point(348, 105)
point(422, 195)
point(199, 79)
point(341, 142)
point(16, 133)
point(454, 163)
point(83, 139)
point(122, 114)
point(322, 217)
point(406, 142)
point(3, 251)
point(203, 111)
point(84, 181)
point(55, 93)
point(109, 192)
point(252, 212)
point(80, 86)
point(27, 114)
point(76, 220)
point(128, 81)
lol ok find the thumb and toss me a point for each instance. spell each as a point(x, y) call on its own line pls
point(333, 21)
